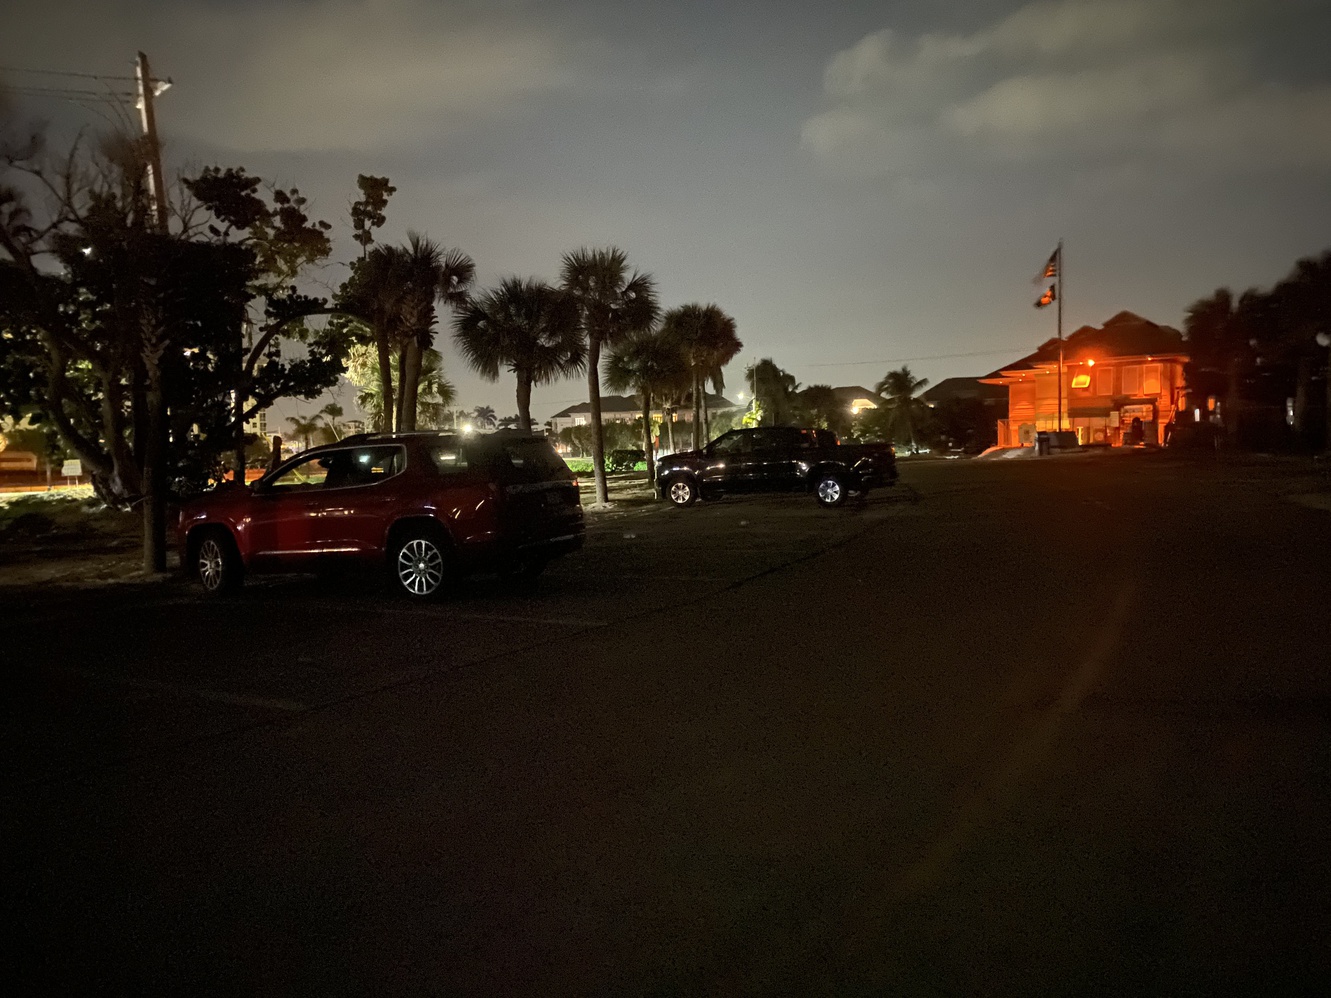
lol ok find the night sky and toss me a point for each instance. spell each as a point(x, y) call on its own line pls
point(859, 184)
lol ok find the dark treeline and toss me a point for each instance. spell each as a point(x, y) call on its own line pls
point(1264, 356)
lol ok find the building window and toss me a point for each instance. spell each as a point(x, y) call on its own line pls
point(1081, 381)
point(1151, 379)
point(1104, 381)
point(1132, 380)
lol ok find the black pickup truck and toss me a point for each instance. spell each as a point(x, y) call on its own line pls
point(776, 459)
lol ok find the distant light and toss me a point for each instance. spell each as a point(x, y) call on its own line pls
point(87, 251)
point(468, 428)
point(1090, 363)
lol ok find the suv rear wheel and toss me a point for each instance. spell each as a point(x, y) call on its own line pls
point(420, 564)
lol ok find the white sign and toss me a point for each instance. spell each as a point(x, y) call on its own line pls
point(72, 469)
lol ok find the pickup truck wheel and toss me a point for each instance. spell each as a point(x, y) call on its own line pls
point(682, 491)
point(420, 565)
point(830, 490)
point(217, 563)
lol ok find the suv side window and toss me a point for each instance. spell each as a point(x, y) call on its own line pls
point(365, 466)
point(731, 444)
point(449, 457)
point(305, 475)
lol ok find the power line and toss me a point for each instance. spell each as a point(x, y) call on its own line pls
point(937, 356)
point(63, 72)
point(69, 92)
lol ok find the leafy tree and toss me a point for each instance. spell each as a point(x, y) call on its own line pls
point(774, 392)
point(527, 327)
point(127, 345)
point(367, 214)
point(285, 242)
point(612, 303)
point(649, 364)
point(1219, 334)
point(904, 413)
point(822, 408)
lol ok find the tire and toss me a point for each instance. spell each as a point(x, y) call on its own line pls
point(419, 564)
point(681, 490)
point(830, 490)
point(217, 563)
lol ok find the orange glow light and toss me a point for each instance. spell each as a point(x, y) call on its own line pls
point(1081, 381)
point(1090, 363)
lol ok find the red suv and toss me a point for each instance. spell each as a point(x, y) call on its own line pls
point(429, 506)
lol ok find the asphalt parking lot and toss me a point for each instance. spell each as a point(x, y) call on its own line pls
point(1056, 727)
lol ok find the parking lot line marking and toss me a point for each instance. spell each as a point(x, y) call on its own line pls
point(514, 618)
point(198, 692)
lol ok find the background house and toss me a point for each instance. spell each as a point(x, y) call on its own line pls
point(627, 408)
point(1127, 373)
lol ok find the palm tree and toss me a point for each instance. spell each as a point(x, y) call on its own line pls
point(511, 423)
point(612, 303)
point(433, 399)
point(647, 364)
point(430, 273)
point(773, 390)
point(484, 416)
point(707, 336)
point(903, 408)
point(526, 326)
point(393, 290)
point(329, 417)
point(304, 428)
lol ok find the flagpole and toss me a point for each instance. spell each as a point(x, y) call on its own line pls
point(1060, 335)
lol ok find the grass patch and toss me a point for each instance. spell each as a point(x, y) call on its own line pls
point(70, 514)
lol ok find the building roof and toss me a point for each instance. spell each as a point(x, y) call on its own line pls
point(1124, 335)
point(963, 388)
point(633, 404)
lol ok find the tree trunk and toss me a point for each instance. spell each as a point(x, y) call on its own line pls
point(668, 414)
point(647, 435)
point(697, 412)
point(385, 381)
point(239, 435)
point(153, 478)
point(409, 388)
point(401, 387)
point(524, 401)
point(1232, 386)
point(598, 436)
point(706, 416)
point(1302, 399)
point(1326, 443)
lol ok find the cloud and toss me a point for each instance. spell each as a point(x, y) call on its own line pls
point(1063, 80)
point(316, 75)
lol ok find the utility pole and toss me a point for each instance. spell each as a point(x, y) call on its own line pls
point(148, 90)
point(1059, 296)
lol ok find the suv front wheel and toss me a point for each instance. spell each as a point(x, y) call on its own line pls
point(420, 564)
point(217, 563)
point(681, 491)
